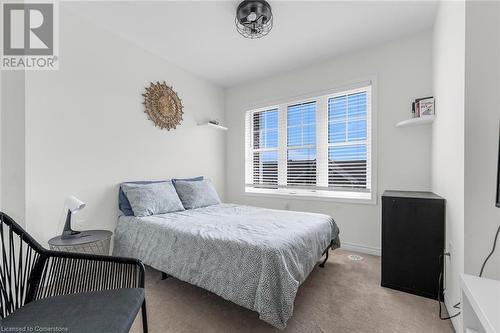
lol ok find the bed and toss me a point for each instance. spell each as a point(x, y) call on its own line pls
point(254, 257)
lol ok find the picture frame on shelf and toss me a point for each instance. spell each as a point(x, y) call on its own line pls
point(424, 107)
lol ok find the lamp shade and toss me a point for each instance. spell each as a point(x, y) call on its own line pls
point(74, 204)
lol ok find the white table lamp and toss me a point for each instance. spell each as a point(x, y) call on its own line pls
point(73, 205)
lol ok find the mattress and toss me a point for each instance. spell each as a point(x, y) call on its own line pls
point(254, 257)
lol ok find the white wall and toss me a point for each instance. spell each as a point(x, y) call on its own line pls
point(86, 130)
point(448, 135)
point(482, 119)
point(1, 131)
point(12, 134)
point(403, 71)
point(466, 73)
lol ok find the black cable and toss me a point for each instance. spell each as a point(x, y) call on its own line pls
point(456, 306)
point(440, 280)
point(441, 289)
point(489, 255)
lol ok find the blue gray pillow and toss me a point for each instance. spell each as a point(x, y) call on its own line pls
point(197, 194)
point(194, 179)
point(124, 204)
point(153, 198)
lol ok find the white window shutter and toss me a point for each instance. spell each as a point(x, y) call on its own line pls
point(282, 137)
point(317, 147)
point(322, 142)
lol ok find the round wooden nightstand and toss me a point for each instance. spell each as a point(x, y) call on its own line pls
point(89, 241)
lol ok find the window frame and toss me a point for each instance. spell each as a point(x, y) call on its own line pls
point(284, 131)
point(369, 127)
point(252, 137)
point(314, 193)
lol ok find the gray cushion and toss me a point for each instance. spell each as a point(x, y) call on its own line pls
point(99, 311)
point(124, 204)
point(152, 199)
point(197, 194)
point(194, 179)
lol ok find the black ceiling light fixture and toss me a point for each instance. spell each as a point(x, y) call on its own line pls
point(254, 18)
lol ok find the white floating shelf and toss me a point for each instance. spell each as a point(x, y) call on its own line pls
point(416, 121)
point(219, 127)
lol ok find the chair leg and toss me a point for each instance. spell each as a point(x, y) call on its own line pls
point(144, 317)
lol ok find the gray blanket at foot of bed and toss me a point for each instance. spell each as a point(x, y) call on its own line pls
point(254, 257)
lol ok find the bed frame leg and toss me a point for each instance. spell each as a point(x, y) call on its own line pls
point(164, 276)
point(322, 265)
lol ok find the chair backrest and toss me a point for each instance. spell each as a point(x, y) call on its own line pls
point(20, 254)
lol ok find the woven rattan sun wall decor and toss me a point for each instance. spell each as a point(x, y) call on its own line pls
point(162, 105)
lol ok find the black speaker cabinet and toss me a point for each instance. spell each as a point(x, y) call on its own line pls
point(412, 240)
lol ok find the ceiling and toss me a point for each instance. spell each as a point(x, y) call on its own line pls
point(200, 36)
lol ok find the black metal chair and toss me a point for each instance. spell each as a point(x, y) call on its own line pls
point(70, 291)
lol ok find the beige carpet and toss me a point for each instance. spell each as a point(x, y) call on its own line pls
point(345, 296)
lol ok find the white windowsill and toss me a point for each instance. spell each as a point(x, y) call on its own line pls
point(343, 197)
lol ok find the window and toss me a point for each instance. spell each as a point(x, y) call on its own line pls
point(265, 148)
point(347, 144)
point(301, 144)
point(316, 147)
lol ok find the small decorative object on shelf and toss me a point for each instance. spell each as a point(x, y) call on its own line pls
point(423, 107)
point(214, 124)
point(422, 112)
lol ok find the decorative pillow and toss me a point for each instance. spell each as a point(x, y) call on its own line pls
point(153, 198)
point(194, 179)
point(197, 194)
point(124, 204)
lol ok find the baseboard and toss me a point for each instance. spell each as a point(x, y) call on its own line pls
point(457, 321)
point(375, 251)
